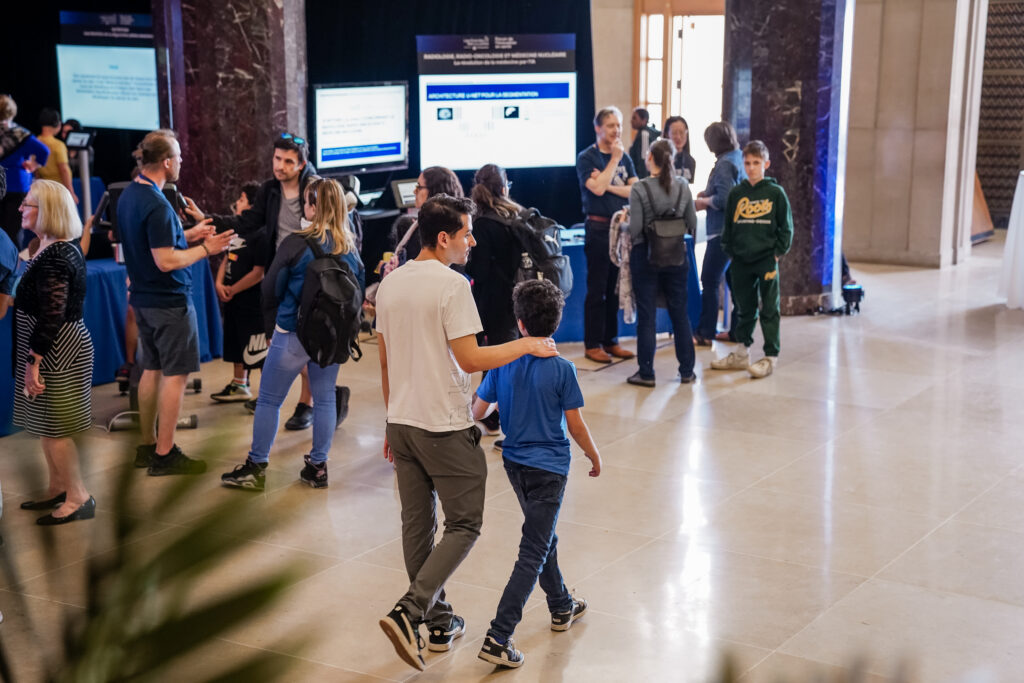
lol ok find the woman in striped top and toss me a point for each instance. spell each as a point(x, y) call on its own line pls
point(53, 391)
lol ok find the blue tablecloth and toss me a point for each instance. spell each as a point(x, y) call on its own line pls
point(6, 377)
point(106, 303)
point(571, 328)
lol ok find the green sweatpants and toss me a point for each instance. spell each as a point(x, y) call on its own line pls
point(747, 281)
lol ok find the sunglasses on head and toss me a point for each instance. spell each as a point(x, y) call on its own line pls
point(297, 140)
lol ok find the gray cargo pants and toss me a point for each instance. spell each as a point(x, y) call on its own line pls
point(453, 465)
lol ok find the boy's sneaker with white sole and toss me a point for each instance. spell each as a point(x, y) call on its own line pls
point(501, 655)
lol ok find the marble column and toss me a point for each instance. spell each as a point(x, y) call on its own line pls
point(783, 84)
point(236, 71)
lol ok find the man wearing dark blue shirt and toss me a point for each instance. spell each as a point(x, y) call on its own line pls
point(605, 174)
point(158, 257)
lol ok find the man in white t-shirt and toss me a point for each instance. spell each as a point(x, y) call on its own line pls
point(427, 324)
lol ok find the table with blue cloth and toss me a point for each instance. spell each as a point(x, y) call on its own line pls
point(571, 328)
point(106, 304)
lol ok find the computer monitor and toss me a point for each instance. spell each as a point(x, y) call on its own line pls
point(79, 139)
point(405, 193)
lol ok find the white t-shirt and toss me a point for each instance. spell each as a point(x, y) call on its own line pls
point(420, 307)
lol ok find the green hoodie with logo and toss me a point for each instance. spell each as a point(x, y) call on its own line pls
point(758, 222)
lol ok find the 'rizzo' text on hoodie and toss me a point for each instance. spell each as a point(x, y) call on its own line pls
point(758, 222)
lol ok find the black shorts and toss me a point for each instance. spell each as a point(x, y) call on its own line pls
point(169, 339)
point(244, 339)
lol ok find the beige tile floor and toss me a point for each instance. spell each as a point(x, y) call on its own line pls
point(863, 507)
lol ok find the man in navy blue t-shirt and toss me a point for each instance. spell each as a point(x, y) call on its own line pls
point(538, 400)
point(158, 257)
point(605, 173)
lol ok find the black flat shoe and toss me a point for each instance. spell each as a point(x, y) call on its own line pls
point(86, 510)
point(45, 504)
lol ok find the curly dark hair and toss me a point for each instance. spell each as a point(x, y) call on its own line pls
point(538, 305)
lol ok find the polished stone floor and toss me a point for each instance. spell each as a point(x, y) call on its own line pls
point(865, 503)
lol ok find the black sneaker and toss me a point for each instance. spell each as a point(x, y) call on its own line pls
point(302, 418)
point(248, 475)
point(501, 655)
point(440, 638)
point(499, 445)
point(250, 405)
point(144, 455)
point(314, 474)
point(639, 380)
point(562, 621)
point(341, 396)
point(175, 462)
point(233, 393)
point(404, 636)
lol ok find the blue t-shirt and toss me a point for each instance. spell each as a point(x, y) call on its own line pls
point(145, 221)
point(18, 179)
point(532, 396)
point(8, 264)
point(592, 159)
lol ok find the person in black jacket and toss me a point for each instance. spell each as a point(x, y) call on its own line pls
point(278, 211)
point(493, 262)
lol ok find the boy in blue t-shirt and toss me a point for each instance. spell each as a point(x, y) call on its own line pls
point(538, 400)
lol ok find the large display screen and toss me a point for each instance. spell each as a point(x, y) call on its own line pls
point(508, 100)
point(109, 87)
point(106, 70)
point(361, 126)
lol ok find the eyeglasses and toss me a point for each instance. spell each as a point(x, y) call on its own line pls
point(419, 187)
point(26, 205)
point(293, 138)
point(508, 185)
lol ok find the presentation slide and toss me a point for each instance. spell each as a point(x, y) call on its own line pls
point(508, 100)
point(513, 120)
point(363, 126)
point(109, 87)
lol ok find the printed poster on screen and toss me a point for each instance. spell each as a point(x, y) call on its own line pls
point(503, 99)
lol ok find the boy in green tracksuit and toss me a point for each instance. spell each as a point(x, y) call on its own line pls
point(758, 230)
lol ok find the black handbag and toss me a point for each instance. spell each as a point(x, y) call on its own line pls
point(666, 234)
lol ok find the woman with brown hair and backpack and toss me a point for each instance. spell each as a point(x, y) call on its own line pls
point(656, 199)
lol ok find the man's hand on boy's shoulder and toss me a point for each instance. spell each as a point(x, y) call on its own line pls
point(542, 347)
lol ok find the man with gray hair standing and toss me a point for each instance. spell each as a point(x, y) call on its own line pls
point(605, 174)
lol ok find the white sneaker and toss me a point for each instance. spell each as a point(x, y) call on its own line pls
point(733, 361)
point(761, 368)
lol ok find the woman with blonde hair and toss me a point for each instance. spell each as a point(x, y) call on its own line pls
point(325, 206)
point(53, 384)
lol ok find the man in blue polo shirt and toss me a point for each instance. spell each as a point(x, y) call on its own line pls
point(605, 173)
point(158, 258)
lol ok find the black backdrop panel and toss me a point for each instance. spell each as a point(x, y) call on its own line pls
point(375, 40)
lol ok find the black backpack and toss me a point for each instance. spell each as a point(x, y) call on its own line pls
point(541, 243)
point(666, 233)
point(331, 309)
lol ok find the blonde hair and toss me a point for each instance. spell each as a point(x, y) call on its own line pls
point(57, 215)
point(331, 215)
point(8, 108)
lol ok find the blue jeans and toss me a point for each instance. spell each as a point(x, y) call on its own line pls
point(285, 360)
point(672, 283)
point(540, 496)
point(715, 263)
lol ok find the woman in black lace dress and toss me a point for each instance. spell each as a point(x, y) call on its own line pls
point(53, 377)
